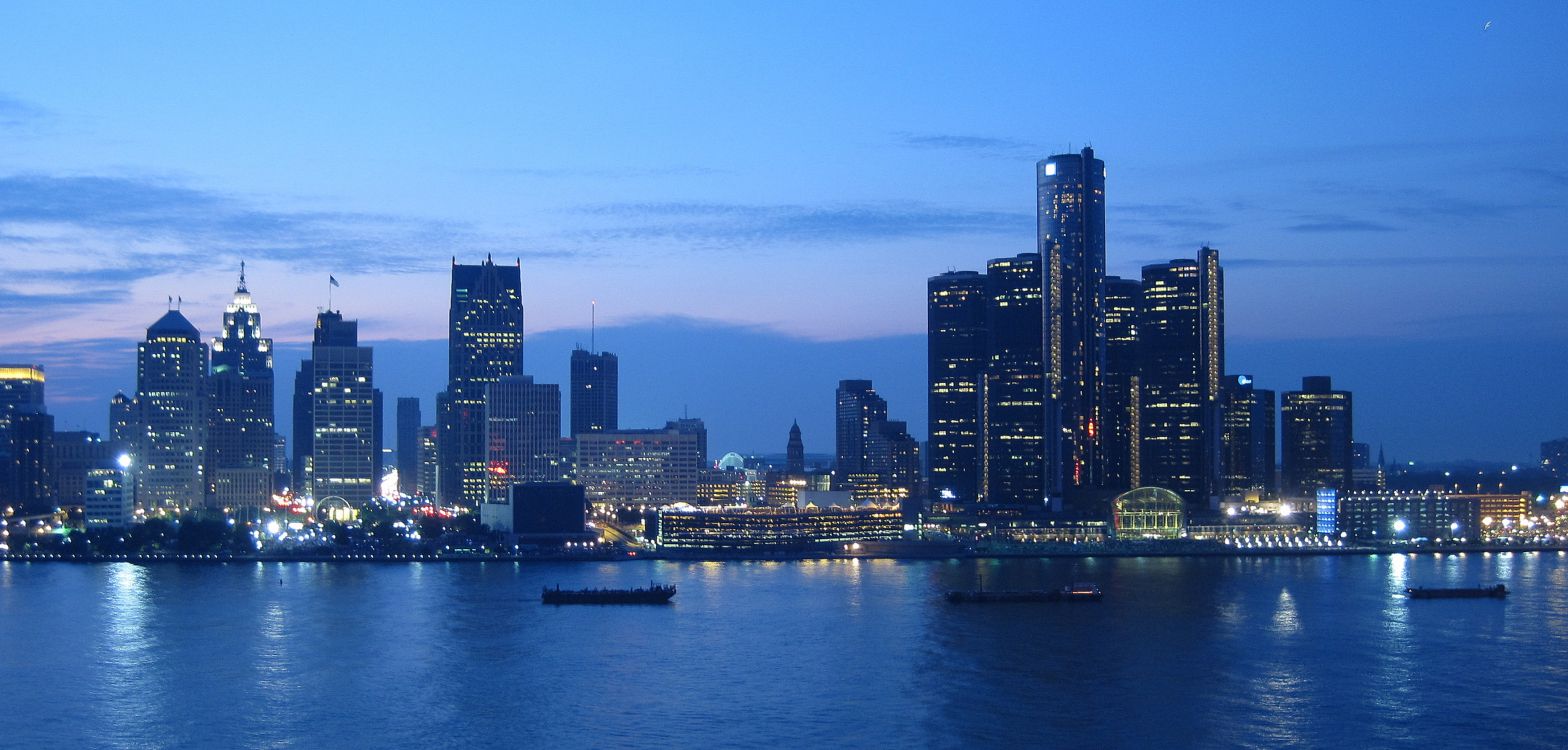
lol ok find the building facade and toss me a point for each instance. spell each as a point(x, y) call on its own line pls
point(485, 344)
point(344, 448)
point(595, 392)
point(409, 420)
point(523, 441)
point(1119, 413)
point(638, 466)
point(1315, 436)
point(240, 424)
point(1070, 208)
point(1012, 387)
point(956, 308)
point(170, 457)
point(1247, 446)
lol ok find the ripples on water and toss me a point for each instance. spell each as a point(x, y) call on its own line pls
point(1201, 652)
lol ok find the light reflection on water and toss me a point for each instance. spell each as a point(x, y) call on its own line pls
point(1263, 652)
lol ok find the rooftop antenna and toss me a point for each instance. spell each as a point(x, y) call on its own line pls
point(593, 324)
point(179, 302)
point(242, 274)
point(171, 302)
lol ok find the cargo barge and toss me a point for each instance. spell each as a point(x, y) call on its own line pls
point(1477, 592)
point(1078, 592)
point(652, 595)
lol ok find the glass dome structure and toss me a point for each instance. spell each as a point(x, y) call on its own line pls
point(1148, 513)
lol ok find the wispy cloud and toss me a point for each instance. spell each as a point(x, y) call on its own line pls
point(1324, 223)
point(558, 173)
point(731, 224)
point(978, 145)
point(1406, 261)
point(16, 113)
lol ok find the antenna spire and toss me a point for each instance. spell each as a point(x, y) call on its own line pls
point(593, 324)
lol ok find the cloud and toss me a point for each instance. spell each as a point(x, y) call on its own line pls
point(974, 144)
point(553, 173)
point(139, 227)
point(1408, 261)
point(15, 113)
point(1320, 223)
point(1172, 216)
point(1556, 177)
point(730, 224)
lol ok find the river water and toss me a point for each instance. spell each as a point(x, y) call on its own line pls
point(1183, 652)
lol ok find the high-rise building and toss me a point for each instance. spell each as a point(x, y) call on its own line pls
point(484, 344)
point(1119, 436)
point(658, 467)
point(124, 423)
point(76, 454)
point(429, 461)
point(343, 461)
point(595, 392)
point(860, 412)
point(27, 458)
point(1315, 435)
point(408, 423)
point(1013, 464)
point(524, 437)
point(170, 457)
point(240, 420)
point(1071, 230)
point(1181, 340)
point(795, 453)
point(1247, 439)
point(955, 358)
point(693, 426)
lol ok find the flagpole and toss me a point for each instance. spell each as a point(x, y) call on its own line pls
point(329, 293)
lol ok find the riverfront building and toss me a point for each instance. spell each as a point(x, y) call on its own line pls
point(956, 306)
point(778, 530)
point(657, 467)
point(170, 456)
point(484, 344)
point(596, 385)
point(1407, 516)
point(341, 405)
point(1315, 438)
point(240, 424)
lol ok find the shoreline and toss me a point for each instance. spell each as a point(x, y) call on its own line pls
point(779, 557)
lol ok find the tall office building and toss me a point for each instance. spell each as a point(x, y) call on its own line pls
point(170, 457)
point(240, 426)
point(408, 423)
point(429, 461)
point(595, 392)
point(1315, 435)
point(693, 426)
point(484, 344)
point(524, 435)
point(1119, 436)
point(1247, 439)
point(27, 458)
point(1071, 231)
point(795, 453)
point(342, 461)
point(1013, 464)
point(1181, 340)
point(955, 359)
point(124, 423)
point(860, 412)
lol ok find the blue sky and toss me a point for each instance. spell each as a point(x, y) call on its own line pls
point(1386, 185)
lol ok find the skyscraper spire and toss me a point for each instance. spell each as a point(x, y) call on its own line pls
point(242, 278)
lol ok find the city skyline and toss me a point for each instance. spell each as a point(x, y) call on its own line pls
point(1406, 281)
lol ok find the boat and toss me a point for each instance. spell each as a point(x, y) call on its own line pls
point(1078, 592)
point(654, 594)
point(1476, 592)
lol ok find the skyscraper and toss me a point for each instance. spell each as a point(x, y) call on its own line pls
point(595, 392)
point(795, 453)
point(1181, 355)
point(27, 459)
point(1012, 387)
point(524, 435)
point(1071, 230)
point(342, 405)
point(169, 461)
point(860, 412)
point(485, 344)
point(1119, 385)
point(408, 423)
point(1315, 435)
point(240, 431)
point(955, 358)
point(1247, 438)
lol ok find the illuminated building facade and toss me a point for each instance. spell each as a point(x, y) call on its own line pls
point(638, 466)
point(1070, 193)
point(956, 308)
point(774, 529)
point(484, 344)
point(1148, 513)
point(1119, 463)
point(524, 437)
point(867, 444)
point(26, 441)
point(240, 425)
point(1012, 387)
point(1315, 437)
point(596, 389)
point(76, 454)
point(170, 454)
point(409, 420)
point(429, 461)
point(1247, 445)
point(695, 427)
point(1406, 516)
point(1327, 511)
point(343, 403)
point(106, 503)
point(1181, 341)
